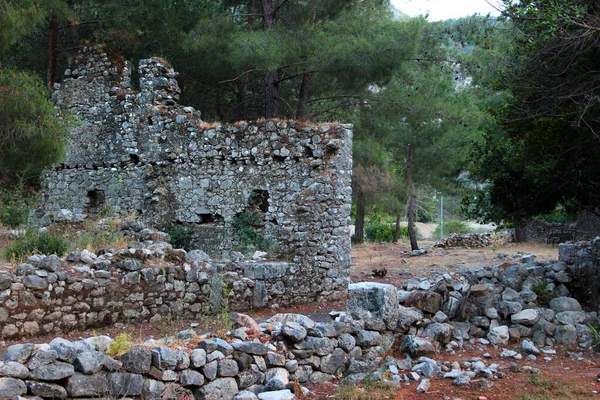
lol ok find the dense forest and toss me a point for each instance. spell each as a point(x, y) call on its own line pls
point(500, 111)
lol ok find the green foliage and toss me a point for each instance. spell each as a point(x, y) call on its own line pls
point(30, 132)
point(32, 242)
point(181, 236)
point(120, 345)
point(248, 230)
point(544, 295)
point(97, 239)
point(378, 232)
point(595, 331)
point(15, 205)
point(452, 226)
point(370, 390)
point(558, 216)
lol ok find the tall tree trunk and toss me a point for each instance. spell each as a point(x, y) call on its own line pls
point(520, 231)
point(250, 14)
point(242, 106)
point(412, 200)
point(302, 109)
point(53, 34)
point(242, 83)
point(271, 78)
point(271, 94)
point(359, 222)
point(397, 231)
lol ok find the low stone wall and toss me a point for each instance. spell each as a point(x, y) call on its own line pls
point(149, 281)
point(477, 240)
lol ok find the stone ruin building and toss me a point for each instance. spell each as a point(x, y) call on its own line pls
point(141, 153)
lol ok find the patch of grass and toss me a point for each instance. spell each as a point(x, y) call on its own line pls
point(36, 243)
point(120, 345)
point(370, 390)
point(452, 226)
point(95, 240)
point(546, 389)
point(595, 331)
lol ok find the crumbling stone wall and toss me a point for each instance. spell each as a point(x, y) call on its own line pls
point(141, 153)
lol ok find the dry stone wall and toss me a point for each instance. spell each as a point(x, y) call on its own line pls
point(149, 281)
point(141, 153)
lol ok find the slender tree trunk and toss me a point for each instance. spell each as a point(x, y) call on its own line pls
point(250, 14)
point(271, 78)
point(242, 86)
point(412, 200)
point(302, 109)
point(359, 222)
point(397, 231)
point(53, 34)
point(242, 83)
point(271, 94)
point(520, 232)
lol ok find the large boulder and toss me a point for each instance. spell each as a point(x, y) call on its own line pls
point(375, 303)
point(560, 304)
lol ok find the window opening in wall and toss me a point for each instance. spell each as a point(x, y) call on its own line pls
point(134, 158)
point(96, 202)
point(258, 201)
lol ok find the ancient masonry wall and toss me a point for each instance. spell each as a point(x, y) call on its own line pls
point(141, 153)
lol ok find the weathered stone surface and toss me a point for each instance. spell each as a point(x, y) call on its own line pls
point(52, 372)
point(253, 348)
point(219, 389)
point(565, 334)
point(245, 395)
point(198, 358)
point(89, 362)
point(526, 317)
point(334, 362)
point(18, 352)
point(125, 384)
point(416, 346)
point(43, 389)
point(426, 301)
point(10, 388)
point(191, 378)
point(375, 303)
point(560, 304)
point(499, 336)
point(13, 369)
point(152, 389)
point(80, 385)
point(163, 358)
point(138, 360)
point(293, 331)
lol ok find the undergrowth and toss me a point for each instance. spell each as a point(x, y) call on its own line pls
point(33, 242)
point(547, 389)
point(370, 390)
point(120, 345)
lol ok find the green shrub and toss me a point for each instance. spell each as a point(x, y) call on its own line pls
point(33, 242)
point(378, 232)
point(249, 234)
point(14, 206)
point(544, 295)
point(452, 226)
point(181, 236)
point(120, 345)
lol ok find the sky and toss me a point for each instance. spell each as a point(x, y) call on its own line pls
point(446, 9)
